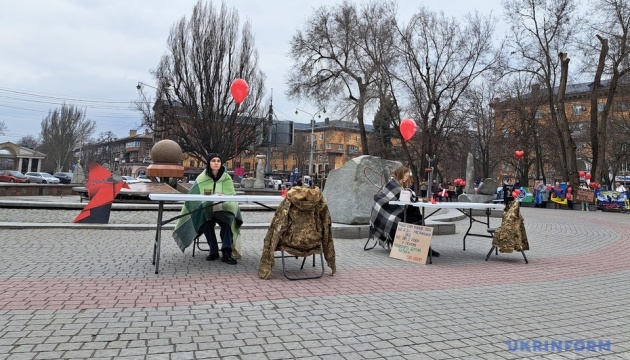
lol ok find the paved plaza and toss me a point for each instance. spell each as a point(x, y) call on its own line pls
point(93, 294)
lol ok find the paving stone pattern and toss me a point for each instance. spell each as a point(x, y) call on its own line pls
point(93, 294)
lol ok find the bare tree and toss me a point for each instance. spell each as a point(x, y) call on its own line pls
point(62, 130)
point(30, 141)
point(540, 30)
point(205, 53)
point(3, 128)
point(477, 110)
point(340, 55)
point(610, 21)
point(441, 58)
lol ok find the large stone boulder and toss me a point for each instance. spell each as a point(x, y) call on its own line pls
point(350, 189)
point(489, 187)
point(475, 198)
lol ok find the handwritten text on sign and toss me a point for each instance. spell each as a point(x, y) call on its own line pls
point(412, 243)
point(584, 195)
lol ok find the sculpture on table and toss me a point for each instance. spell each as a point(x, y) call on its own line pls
point(259, 183)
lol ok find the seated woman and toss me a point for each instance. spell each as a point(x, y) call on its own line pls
point(385, 217)
point(201, 218)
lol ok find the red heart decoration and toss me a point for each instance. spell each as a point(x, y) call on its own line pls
point(519, 154)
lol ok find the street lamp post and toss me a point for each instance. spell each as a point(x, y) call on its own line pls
point(310, 162)
point(430, 159)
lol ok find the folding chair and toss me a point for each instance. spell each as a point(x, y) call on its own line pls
point(314, 276)
point(496, 248)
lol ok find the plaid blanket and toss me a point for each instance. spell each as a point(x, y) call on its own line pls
point(196, 213)
point(385, 217)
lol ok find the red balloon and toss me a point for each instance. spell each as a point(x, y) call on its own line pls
point(463, 183)
point(570, 190)
point(515, 193)
point(457, 182)
point(407, 128)
point(587, 176)
point(548, 187)
point(581, 173)
point(593, 185)
point(519, 154)
point(239, 90)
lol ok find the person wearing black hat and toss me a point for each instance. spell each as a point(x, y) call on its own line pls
point(201, 217)
point(219, 182)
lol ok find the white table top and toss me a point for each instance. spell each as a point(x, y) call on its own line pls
point(216, 197)
point(452, 205)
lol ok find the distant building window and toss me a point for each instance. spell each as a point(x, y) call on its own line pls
point(133, 144)
point(578, 110)
point(321, 136)
point(329, 146)
point(538, 114)
point(339, 146)
point(358, 138)
point(600, 107)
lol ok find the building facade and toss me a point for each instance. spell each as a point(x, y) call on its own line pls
point(128, 156)
point(334, 143)
point(519, 122)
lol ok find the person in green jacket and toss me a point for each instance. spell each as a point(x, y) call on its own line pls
point(202, 217)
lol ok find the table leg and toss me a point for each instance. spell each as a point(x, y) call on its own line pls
point(158, 238)
point(470, 218)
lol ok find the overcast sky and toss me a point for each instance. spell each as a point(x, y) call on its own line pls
point(93, 53)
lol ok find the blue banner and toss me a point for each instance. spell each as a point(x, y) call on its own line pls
point(610, 199)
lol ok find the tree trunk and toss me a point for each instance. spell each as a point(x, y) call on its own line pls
point(360, 114)
point(596, 144)
point(563, 124)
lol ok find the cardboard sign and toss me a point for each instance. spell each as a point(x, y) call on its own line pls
point(411, 243)
point(584, 195)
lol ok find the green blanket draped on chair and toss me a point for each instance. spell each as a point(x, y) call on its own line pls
point(196, 213)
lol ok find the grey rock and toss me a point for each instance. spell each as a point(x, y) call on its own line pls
point(350, 189)
point(78, 176)
point(489, 187)
point(475, 198)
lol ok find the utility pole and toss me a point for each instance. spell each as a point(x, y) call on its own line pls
point(310, 164)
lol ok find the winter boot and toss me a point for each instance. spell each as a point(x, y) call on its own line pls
point(227, 257)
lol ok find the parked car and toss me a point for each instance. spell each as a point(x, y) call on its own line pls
point(64, 177)
point(144, 178)
point(12, 176)
point(41, 178)
point(130, 180)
